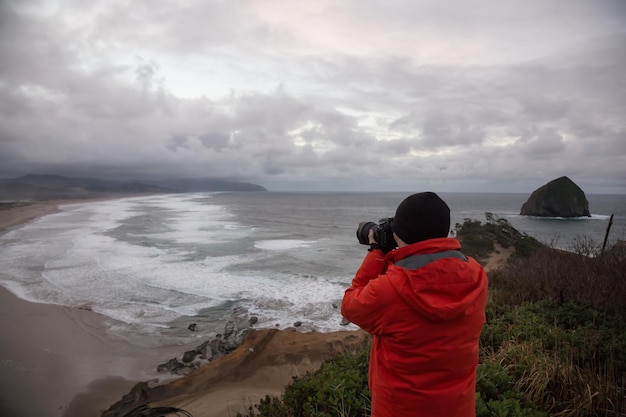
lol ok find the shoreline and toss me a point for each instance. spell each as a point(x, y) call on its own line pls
point(17, 214)
point(58, 361)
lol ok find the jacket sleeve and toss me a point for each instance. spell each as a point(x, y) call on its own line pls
point(362, 302)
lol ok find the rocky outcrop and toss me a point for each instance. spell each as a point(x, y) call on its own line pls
point(235, 331)
point(558, 198)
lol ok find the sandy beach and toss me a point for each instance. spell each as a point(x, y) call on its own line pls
point(60, 362)
point(49, 354)
point(16, 216)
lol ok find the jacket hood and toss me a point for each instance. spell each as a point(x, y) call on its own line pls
point(444, 289)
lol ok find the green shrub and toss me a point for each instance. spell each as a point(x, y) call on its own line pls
point(478, 239)
point(568, 358)
point(496, 395)
point(338, 388)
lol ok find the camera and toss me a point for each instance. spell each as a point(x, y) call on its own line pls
point(382, 233)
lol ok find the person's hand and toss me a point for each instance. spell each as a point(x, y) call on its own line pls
point(371, 236)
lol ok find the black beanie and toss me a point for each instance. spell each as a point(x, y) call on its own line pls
point(421, 216)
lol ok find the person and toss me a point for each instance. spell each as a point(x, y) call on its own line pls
point(424, 305)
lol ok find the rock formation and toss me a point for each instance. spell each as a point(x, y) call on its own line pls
point(558, 198)
point(235, 331)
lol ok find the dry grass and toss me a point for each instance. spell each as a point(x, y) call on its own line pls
point(558, 275)
point(557, 384)
point(565, 342)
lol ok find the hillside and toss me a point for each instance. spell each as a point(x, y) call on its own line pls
point(56, 187)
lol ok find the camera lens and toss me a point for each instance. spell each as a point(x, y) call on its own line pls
point(363, 231)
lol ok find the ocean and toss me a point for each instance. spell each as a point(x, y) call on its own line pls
point(154, 265)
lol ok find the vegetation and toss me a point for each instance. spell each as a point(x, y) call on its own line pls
point(567, 358)
point(338, 388)
point(478, 238)
point(554, 343)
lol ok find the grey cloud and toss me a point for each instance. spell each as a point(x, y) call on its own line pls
point(393, 147)
point(215, 140)
point(541, 143)
point(63, 107)
point(177, 141)
point(276, 112)
point(35, 49)
point(441, 129)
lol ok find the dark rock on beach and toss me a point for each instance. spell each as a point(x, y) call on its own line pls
point(172, 366)
point(190, 355)
point(235, 331)
point(558, 198)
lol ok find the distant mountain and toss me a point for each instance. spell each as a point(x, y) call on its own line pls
point(197, 184)
point(51, 187)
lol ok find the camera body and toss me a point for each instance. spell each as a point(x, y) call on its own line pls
point(382, 233)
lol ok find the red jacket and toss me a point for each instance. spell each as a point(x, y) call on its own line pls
point(425, 322)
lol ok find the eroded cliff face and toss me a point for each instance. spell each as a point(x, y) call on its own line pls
point(558, 198)
point(264, 364)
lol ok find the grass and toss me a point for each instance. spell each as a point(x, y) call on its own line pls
point(554, 343)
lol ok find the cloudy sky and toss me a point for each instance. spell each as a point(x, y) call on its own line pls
point(320, 95)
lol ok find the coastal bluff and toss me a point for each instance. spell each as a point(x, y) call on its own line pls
point(558, 198)
point(264, 364)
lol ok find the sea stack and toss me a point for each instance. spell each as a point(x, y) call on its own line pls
point(558, 198)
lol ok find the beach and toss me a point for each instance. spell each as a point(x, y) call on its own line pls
point(50, 354)
point(60, 362)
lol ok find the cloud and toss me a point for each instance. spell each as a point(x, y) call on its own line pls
point(449, 93)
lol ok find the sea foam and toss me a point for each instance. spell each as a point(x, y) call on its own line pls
point(148, 262)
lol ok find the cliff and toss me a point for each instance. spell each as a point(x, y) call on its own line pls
point(558, 198)
point(264, 364)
